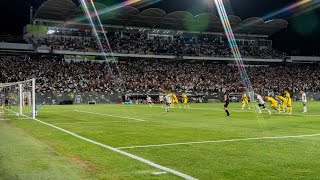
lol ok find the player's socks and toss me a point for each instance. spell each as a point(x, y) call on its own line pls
point(228, 114)
point(259, 110)
point(304, 109)
point(268, 111)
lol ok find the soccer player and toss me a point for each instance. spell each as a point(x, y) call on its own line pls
point(261, 104)
point(273, 103)
point(7, 102)
point(283, 105)
point(185, 100)
point(161, 99)
point(289, 102)
point(37, 109)
point(304, 101)
point(2, 107)
point(245, 100)
point(149, 101)
point(168, 102)
point(175, 100)
point(226, 101)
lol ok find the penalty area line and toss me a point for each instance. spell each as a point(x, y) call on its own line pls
point(145, 161)
point(123, 117)
point(220, 141)
point(103, 122)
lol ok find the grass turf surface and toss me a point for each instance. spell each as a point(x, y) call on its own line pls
point(289, 158)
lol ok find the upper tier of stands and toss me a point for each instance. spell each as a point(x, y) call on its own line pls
point(135, 43)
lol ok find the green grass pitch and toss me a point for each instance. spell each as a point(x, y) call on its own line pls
point(213, 146)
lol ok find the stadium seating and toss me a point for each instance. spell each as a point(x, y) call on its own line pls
point(56, 75)
point(135, 43)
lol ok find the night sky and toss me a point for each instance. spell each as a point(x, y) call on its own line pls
point(301, 37)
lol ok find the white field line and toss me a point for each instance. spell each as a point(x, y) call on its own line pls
point(14, 114)
point(99, 122)
point(235, 110)
point(203, 109)
point(219, 141)
point(123, 117)
point(15, 119)
point(145, 161)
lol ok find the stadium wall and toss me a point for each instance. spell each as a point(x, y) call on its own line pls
point(45, 50)
point(118, 97)
point(16, 46)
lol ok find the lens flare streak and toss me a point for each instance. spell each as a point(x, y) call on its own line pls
point(234, 47)
point(291, 7)
point(85, 7)
point(115, 7)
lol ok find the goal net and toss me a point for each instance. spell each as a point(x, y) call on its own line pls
point(18, 100)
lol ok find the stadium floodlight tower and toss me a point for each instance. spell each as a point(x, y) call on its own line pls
point(18, 100)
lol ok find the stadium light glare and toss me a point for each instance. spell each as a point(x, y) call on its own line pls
point(234, 46)
point(115, 7)
point(293, 6)
point(50, 32)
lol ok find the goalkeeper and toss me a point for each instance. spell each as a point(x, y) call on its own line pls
point(37, 109)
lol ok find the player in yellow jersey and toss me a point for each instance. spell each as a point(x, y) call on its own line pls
point(283, 103)
point(2, 107)
point(273, 103)
point(245, 100)
point(174, 100)
point(289, 102)
point(185, 100)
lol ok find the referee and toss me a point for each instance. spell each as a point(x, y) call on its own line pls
point(226, 100)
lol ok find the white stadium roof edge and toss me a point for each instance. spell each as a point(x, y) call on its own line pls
point(67, 11)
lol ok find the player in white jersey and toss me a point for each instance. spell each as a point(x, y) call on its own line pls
point(161, 99)
point(149, 101)
point(261, 104)
point(304, 101)
point(168, 102)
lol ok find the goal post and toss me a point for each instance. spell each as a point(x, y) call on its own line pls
point(18, 100)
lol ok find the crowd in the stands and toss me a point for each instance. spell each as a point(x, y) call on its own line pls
point(134, 43)
point(57, 75)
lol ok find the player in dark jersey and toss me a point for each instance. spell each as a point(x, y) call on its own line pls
point(226, 100)
point(7, 103)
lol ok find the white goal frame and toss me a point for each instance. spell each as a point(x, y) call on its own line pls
point(21, 100)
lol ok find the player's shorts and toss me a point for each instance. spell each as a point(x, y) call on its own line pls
point(226, 104)
point(245, 102)
point(185, 101)
point(175, 101)
point(274, 105)
point(161, 102)
point(168, 104)
point(261, 105)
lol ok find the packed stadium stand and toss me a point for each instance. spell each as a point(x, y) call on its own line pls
point(151, 51)
point(56, 75)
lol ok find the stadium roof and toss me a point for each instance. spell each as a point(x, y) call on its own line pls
point(67, 11)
